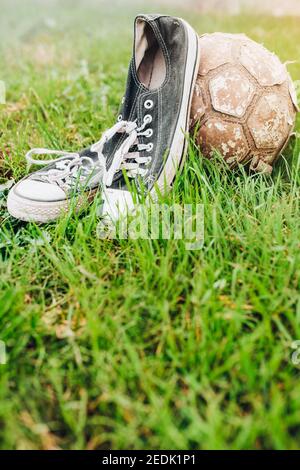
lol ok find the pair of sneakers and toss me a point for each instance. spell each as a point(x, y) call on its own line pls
point(147, 144)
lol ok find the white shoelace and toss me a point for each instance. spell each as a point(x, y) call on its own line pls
point(69, 169)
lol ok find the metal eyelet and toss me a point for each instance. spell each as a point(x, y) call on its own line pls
point(148, 104)
point(149, 133)
point(120, 117)
point(150, 147)
point(148, 161)
point(148, 119)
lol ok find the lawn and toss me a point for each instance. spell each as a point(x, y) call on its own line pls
point(141, 344)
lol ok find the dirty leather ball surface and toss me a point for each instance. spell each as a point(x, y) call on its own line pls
point(244, 104)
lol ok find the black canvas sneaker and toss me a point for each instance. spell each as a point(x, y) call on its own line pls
point(47, 193)
point(155, 111)
point(147, 144)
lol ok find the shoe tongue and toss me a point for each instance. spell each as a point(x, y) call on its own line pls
point(128, 111)
point(128, 108)
point(88, 153)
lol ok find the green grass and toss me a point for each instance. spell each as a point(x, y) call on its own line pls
point(141, 344)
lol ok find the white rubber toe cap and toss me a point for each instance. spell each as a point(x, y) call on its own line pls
point(39, 191)
point(116, 204)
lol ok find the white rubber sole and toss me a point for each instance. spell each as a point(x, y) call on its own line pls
point(42, 212)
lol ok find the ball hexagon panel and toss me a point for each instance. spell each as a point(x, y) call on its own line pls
point(270, 122)
point(226, 137)
point(215, 50)
point(262, 64)
point(231, 92)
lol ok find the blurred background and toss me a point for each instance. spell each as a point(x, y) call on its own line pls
point(273, 7)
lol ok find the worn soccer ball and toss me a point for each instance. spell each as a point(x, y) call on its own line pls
point(245, 104)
